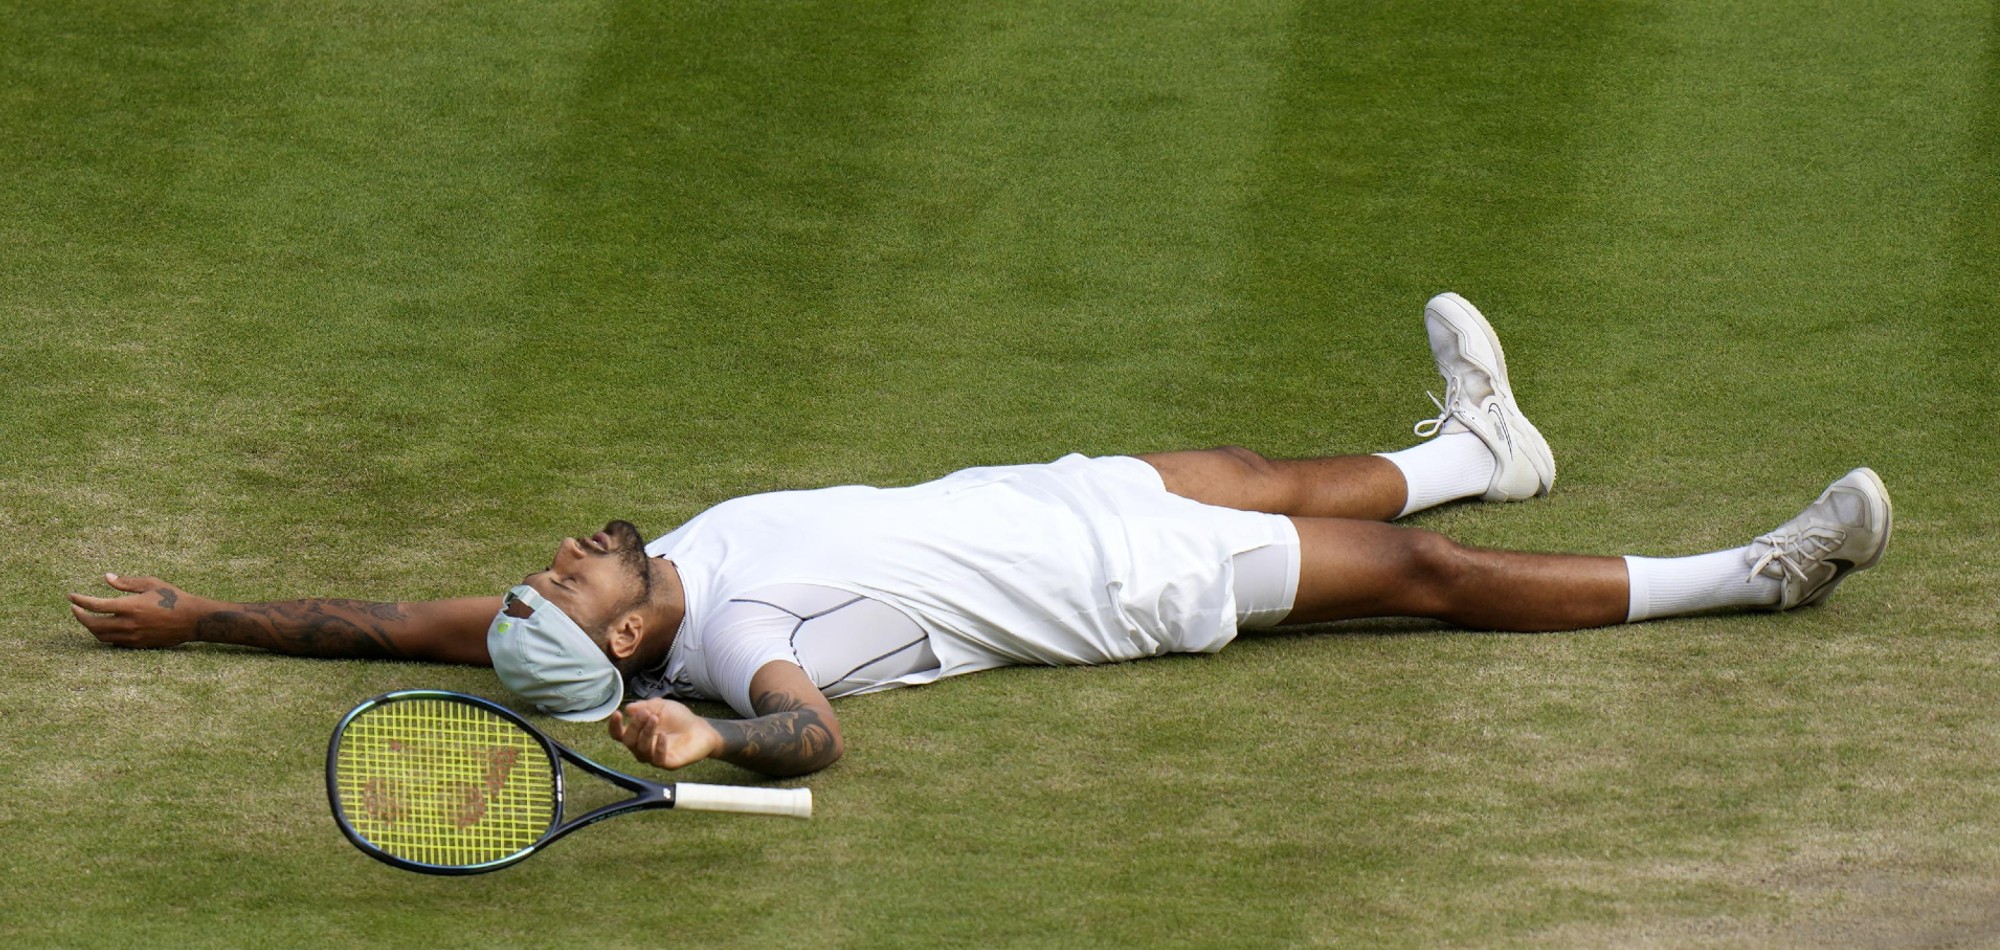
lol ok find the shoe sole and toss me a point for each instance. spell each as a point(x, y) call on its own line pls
point(1472, 315)
point(1879, 492)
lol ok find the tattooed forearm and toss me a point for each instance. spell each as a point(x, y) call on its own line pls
point(792, 741)
point(321, 627)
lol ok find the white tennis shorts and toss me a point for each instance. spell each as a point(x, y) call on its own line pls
point(1260, 551)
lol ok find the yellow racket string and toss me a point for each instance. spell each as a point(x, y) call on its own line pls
point(444, 783)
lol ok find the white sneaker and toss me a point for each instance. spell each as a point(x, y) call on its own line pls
point(1845, 531)
point(1477, 398)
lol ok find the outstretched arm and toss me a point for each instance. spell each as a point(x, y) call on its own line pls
point(794, 732)
point(156, 614)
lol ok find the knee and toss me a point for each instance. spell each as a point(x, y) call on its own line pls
point(1228, 476)
point(1253, 464)
point(1434, 568)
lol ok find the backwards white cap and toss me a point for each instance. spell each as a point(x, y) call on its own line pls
point(547, 659)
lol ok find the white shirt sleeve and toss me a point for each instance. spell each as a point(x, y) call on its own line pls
point(742, 637)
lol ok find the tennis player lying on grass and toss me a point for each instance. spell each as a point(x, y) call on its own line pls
point(776, 603)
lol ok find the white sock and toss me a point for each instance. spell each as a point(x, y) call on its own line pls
point(1669, 587)
point(1451, 466)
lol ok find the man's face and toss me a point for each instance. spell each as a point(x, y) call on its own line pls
point(596, 579)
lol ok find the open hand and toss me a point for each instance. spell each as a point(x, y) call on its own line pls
point(664, 733)
point(152, 614)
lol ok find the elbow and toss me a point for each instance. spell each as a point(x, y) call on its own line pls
point(813, 744)
point(820, 754)
point(826, 755)
point(800, 766)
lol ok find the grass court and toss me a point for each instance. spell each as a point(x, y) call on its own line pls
point(379, 300)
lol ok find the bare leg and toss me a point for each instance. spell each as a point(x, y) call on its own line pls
point(1352, 569)
point(1365, 487)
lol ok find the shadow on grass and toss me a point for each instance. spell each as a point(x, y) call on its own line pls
point(1369, 627)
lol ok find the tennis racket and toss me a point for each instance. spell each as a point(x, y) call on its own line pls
point(445, 783)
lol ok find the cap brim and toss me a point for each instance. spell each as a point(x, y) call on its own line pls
point(593, 714)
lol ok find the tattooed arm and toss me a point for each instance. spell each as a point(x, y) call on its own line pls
point(794, 732)
point(157, 614)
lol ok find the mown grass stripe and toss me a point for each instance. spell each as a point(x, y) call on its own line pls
point(967, 234)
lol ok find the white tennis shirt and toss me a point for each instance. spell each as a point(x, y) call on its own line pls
point(1075, 562)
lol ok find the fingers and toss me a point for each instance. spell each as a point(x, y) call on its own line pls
point(82, 612)
point(644, 730)
point(102, 605)
point(638, 714)
point(646, 745)
point(105, 617)
point(89, 620)
point(141, 618)
point(621, 726)
point(129, 585)
point(107, 629)
point(123, 609)
point(107, 605)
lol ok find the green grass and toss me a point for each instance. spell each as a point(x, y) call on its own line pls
point(380, 299)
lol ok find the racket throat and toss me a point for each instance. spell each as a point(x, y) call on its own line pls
point(653, 796)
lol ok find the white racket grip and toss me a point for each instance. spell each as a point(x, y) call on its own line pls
point(743, 799)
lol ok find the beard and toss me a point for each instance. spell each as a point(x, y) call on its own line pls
point(630, 548)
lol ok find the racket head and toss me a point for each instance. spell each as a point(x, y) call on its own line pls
point(442, 782)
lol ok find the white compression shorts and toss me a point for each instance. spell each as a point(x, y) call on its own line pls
point(1267, 582)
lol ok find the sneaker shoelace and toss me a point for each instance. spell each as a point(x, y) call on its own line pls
point(1793, 553)
point(1430, 427)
